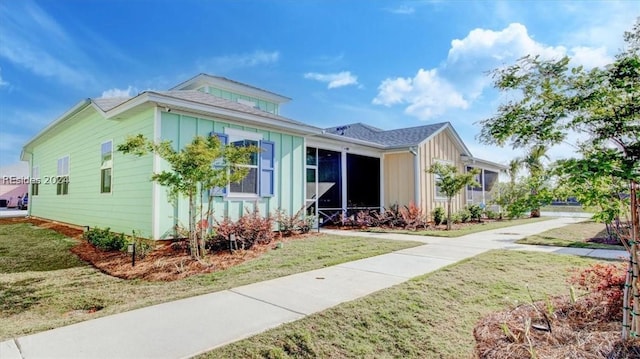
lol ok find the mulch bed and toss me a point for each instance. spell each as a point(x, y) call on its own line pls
point(167, 262)
point(579, 330)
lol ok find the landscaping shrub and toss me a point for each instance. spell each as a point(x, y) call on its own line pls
point(299, 222)
point(465, 215)
point(605, 283)
point(105, 240)
point(413, 217)
point(438, 216)
point(250, 229)
point(475, 211)
point(144, 246)
point(390, 217)
point(491, 214)
point(455, 219)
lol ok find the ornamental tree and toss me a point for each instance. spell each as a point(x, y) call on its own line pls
point(551, 99)
point(450, 182)
point(193, 175)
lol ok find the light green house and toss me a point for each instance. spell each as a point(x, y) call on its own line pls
point(327, 172)
point(84, 181)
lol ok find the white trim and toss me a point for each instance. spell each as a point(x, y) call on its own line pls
point(435, 186)
point(346, 145)
point(416, 176)
point(232, 86)
point(110, 166)
point(155, 187)
point(247, 135)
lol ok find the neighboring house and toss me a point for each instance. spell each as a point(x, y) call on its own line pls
point(14, 180)
point(86, 182)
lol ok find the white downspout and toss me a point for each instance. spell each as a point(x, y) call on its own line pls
point(415, 151)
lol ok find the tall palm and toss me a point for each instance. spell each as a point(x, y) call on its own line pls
point(513, 169)
point(533, 163)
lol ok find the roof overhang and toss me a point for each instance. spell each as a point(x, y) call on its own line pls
point(59, 121)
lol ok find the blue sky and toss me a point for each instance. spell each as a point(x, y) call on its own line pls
point(389, 64)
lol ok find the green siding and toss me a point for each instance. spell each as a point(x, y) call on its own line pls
point(129, 205)
point(266, 106)
point(289, 171)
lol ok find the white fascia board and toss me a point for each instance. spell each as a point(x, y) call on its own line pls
point(348, 140)
point(65, 116)
point(215, 111)
point(340, 146)
point(456, 138)
point(480, 163)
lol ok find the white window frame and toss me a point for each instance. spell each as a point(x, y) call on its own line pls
point(435, 178)
point(35, 181)
point(106, 165)
point(235, 135)
point(62, 178)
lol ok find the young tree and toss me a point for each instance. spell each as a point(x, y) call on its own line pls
point(533, 162)
point(193, 174)
point(603, 104)
point(451, 182)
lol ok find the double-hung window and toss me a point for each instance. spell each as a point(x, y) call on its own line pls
point(106, 165)
point(62, 180)
point(35, 181)
point(259, 181)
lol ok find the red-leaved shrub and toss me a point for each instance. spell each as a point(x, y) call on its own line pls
point(605, 283)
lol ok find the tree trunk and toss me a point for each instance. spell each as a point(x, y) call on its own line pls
point(635, 237)
point(535, 212)
point(193, 234)
point(449, 214)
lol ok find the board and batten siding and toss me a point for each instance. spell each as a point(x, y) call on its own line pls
point(128, 206)
point(399, 179)
point(439, 148)
point(181, 128)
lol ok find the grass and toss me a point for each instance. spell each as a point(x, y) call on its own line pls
point(574, 235)
point(43, 286)
point(568, 209)
point(469, 229)
point(432, 316)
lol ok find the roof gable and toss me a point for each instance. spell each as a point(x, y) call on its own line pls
point(230, 85)
point(402, 137)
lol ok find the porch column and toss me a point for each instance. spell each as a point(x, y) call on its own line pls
point(343, 179)
point(484, 186)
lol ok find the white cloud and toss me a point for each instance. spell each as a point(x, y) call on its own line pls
point(335, 80)
point(427, 94)
point(116, 92)
point(590, 57)
point(462, 78)
point(402, 10)
point(33, 40)
point(235, 61)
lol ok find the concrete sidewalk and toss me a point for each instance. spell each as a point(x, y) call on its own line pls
point(195, 325)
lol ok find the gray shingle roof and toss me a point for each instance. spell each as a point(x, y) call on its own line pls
point(401, 137)
point(107, 103)
point(210, 100)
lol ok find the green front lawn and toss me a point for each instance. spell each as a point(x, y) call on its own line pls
point(574, 235)
point(469, 228)
point(432, 316)
point(43, 285)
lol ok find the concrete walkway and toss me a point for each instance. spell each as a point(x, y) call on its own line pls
point(195, 325)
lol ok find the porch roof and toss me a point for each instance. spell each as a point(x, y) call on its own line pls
point(402, 137)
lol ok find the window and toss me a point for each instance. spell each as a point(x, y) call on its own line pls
point(62, 181)
point(260, 179)
point(106, 166)
point(35, 181)
point(249, 184)
point(439, 194)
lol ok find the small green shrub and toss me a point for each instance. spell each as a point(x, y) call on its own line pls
point(465, 215)
point(475, 211)
point(105, 240)
point(491, 214)
point(299, 222)
point(455, 219)
point(438, 216)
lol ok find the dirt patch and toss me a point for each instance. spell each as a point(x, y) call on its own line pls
point(167, 262)
point(578, 330)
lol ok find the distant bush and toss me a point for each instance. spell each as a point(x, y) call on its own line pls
point(475, 211)
point(250, 229)
point(464, 215)
point(105, 240)
point(299, 222)
point(491, 214)
point(438, 216)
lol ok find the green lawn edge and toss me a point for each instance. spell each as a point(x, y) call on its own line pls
point(38, 297)
point(431, 316)
point(480, 227)
point(571, 236)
